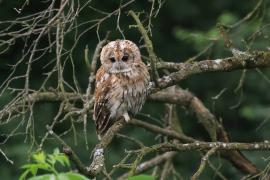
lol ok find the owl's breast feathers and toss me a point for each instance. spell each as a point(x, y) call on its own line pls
point(117, 94)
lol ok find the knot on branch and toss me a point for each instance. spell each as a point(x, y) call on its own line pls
point(241, 55)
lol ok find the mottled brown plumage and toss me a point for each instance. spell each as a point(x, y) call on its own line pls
point(121, 84)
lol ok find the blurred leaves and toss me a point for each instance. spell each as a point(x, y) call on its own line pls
point(60, 176)
point(227, 18)
point(46, 163)
point(141, 177)
point(200, 39)
point(255, 112)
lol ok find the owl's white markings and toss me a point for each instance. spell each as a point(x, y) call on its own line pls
point(122, 44)
point(125, 93)
point(114, 107)
point(105, 77)
point(111, 44)
point(126, 117)
point(120, 71)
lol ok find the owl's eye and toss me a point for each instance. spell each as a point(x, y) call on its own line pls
point(125, 58)
point(112, 59)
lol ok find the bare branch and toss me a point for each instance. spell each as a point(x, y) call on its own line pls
point(203, 163)
point(256, 59)
point(150, 163)
point(149, 47)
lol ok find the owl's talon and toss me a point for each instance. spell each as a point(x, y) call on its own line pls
point(126, 117)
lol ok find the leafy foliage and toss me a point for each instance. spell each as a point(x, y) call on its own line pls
point(141, 177)
point(47, 163)
point(60, 176)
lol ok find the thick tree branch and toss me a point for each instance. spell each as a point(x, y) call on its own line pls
point(241, 61)
point(165, 147)
point(98, 154)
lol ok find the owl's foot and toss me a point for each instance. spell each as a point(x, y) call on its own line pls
point(99, 137)
point(126, 117)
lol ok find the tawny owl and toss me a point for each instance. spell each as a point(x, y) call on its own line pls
point(121, 84)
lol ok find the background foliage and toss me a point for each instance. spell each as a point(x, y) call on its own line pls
point(181, 30)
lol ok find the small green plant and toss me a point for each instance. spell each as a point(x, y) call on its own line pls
point(141, 177)
point(47, 163)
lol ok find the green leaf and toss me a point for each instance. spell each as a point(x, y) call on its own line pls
point(227, 18)
point(56, 151)
point(39, 157)
point(24, 174)
point(63, 160)
point(58, 157)
point(61, 176)
point(51, 159)
point(44, 177)
point(141, 177)
point(31, 168)
point(34, 167)
point(71, 176)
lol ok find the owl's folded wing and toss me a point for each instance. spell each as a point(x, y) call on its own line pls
point(102, 113)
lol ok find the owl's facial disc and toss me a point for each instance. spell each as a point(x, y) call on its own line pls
point(119, 56)
point(119, 65)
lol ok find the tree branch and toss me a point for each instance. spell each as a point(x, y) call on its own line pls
point(203, 163)
point(242, 61)
point(149, 47)
point(168, 146)
point(150, 163)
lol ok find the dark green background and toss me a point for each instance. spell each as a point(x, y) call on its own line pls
point(181, 30)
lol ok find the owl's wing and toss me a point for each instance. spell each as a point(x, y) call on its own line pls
point(102, 113)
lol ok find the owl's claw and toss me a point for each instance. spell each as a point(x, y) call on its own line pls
point(126, 117)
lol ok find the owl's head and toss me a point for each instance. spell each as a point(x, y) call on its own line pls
point(119, 56)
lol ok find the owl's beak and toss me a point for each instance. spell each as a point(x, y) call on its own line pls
point(119, 67)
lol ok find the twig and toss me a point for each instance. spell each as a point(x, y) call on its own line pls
point(94, 62)
point(149, 47)
point(166, 169)
point(90, 89)
point(159, 130)
point(5, 156)
point(203, 163)
point(72, 155)
point(150, 163)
